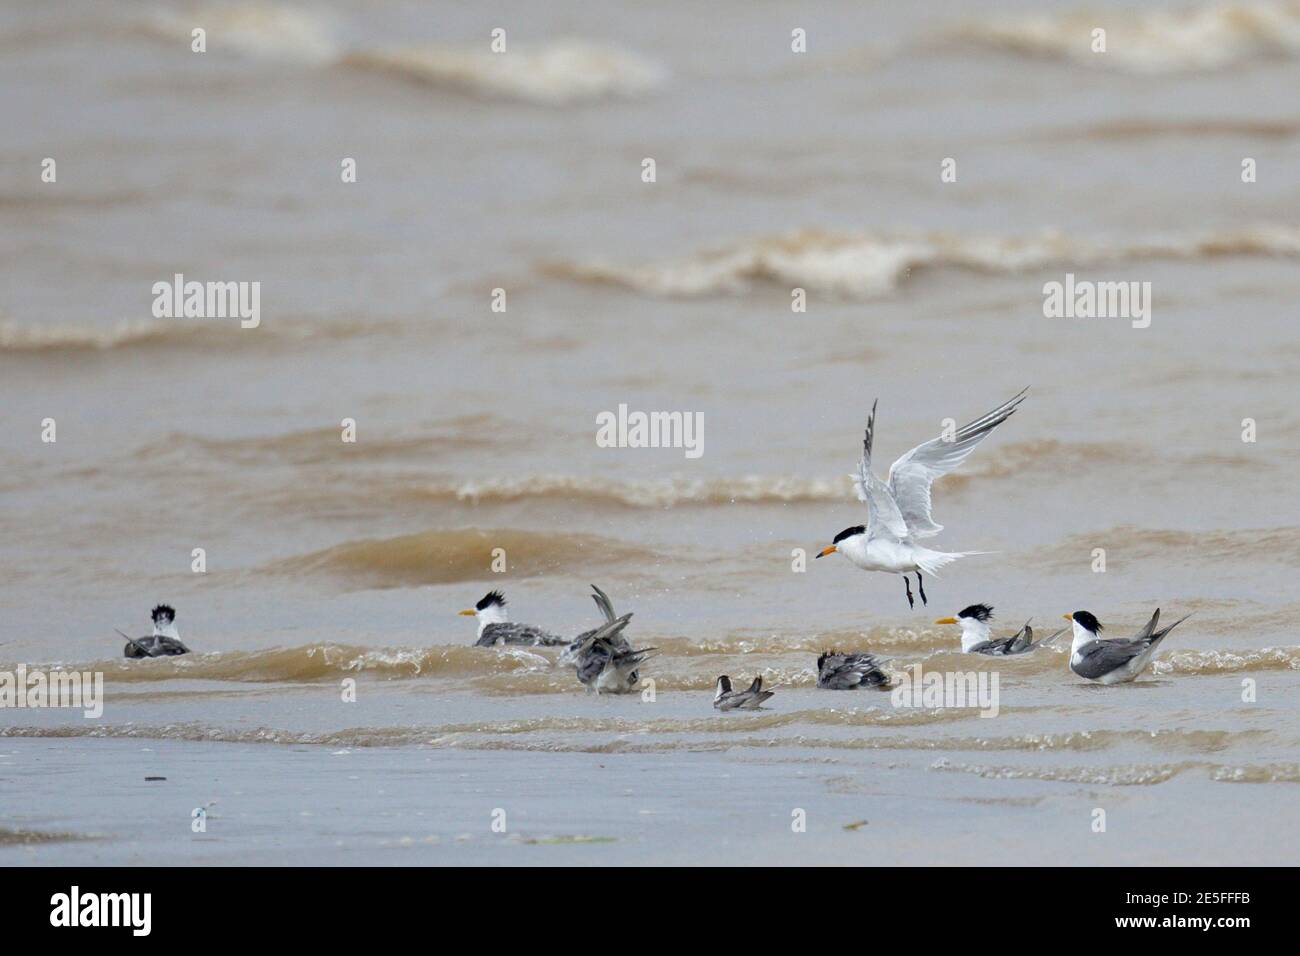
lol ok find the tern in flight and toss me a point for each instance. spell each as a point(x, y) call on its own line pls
point(899, 509)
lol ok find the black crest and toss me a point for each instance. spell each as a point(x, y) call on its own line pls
point(725, 681)
point(1087, 619)
point(492, 597)
point(849, 532)
point(981, 612)
point(163, 614)
point(821, 660)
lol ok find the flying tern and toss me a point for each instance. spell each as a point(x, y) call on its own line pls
point(899, 509)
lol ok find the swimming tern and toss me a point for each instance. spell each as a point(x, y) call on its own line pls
point(977, 638)
point(495, 626)
point(1114, 661)
point(165, 640)
point(836, 671)
point(724, 698)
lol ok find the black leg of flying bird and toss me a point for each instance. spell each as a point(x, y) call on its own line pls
point(921, 586)
point(908, 584)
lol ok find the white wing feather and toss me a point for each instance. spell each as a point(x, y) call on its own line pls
point(884, 517)
point(912, 475)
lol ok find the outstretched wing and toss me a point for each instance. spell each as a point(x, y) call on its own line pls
point(911, 476)
point(884, 519)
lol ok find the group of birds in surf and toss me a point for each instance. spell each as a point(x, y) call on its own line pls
point(899, 515)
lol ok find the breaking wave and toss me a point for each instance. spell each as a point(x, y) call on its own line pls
point(1132, 775)
point(564, 72)
point(596, 491)
point(319, 662)
point(649, 493)
point(558, 73)
point(262, 30)
point(56, 338)
point(1209, 37)
point(681, 663)
point(865, 265)
point(1138, 775)
point(1227, 662)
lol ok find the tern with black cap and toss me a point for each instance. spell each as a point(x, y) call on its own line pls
point(977, 637)
point(165, 640)
point(1118, 660)
point(899, 511)
point(495, 626)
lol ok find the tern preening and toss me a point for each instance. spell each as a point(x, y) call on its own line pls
point(899, 509)
point(607, 663)
point(495, 626)
point(836, 671)
point(1113, 661)
point(575, 647)
point(724, 698)
point(603, 660)
point(977, 638)
point(165, 640)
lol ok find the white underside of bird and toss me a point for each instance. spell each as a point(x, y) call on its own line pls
point(895, 557)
